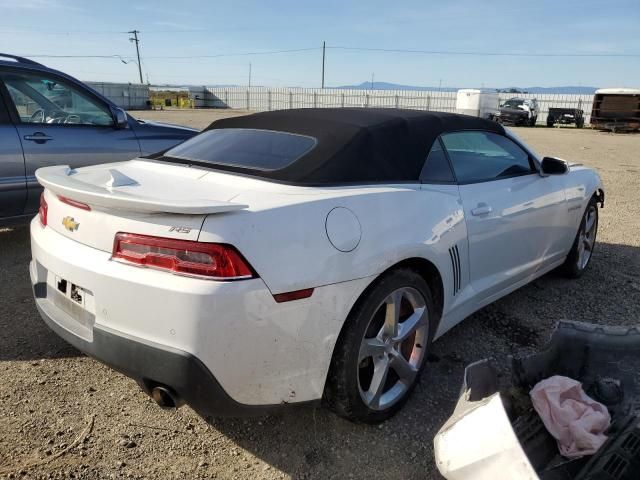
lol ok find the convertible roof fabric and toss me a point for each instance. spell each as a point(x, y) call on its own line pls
point(355, 145)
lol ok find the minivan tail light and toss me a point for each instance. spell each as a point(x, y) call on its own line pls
point(216, 261)
point(43, 210)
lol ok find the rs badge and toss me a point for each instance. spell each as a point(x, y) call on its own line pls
point(70, 224)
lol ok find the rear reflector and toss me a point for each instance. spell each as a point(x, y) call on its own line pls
point(43, 210)
point(74, 203)
point(215, 261)
point(289, 296)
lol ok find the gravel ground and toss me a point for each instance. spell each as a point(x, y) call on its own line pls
point(63, 415)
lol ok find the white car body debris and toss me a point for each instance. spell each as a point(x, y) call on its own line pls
point(495, 433)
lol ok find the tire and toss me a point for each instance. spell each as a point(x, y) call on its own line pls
point(549, 123)
point(582, 250)
point(532, 121)
point(371, 377)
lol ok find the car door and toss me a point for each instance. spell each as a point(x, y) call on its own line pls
point(516, 219)
point(13, 183)
point(61, 123)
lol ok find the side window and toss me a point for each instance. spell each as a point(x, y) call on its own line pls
point(39, 99)
point(436, 168)
point(481, 156)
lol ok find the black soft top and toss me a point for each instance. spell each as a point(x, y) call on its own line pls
point(355, 145)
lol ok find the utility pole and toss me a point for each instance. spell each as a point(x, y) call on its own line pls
point(249, 74)
point(135, 39)
point(372, 77)
point(323, 51)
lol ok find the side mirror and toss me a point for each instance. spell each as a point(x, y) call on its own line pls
point(120, 118)
point(553, 166)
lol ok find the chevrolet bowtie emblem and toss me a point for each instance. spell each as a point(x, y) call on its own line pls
point(70, 224)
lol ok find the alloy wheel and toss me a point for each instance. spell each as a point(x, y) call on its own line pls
point(587, 237)
point(393, 348)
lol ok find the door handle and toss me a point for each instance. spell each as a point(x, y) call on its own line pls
point(38, 137)
point(481, 209)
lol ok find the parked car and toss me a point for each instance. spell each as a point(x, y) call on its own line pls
point(297, 255)
point(50, 118)
point(565, 116)
point(519, 111)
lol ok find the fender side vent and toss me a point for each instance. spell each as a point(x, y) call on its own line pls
point(455, 265)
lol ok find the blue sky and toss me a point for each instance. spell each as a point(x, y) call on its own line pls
point(192, 28)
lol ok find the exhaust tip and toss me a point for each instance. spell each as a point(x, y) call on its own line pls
point(165, 397)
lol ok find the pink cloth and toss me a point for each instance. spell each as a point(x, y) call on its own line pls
point(570, 415)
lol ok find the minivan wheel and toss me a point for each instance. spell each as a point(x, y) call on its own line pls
point(381, 352)
point(582, 250)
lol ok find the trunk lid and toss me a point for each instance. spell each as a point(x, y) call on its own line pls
point(137, 196)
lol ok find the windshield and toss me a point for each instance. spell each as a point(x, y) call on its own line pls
point(246, 148)
point(513, 103)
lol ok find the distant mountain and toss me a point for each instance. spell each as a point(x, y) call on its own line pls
point(395, 86)
point(391, 86)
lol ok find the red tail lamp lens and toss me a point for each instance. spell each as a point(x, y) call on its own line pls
point(211, 260)
point(43, 210)
point(74, 203)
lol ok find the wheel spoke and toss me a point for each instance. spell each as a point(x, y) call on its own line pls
point(404, 369)
point(392, 314)
point(589, 222)
point(411, 324)
point(378, 381)
point(588, 244)
point(371, 347)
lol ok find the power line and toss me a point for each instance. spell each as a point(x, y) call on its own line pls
point(178, 57)
point(269, 52)
point(118, 57)
point(339, 47)
point(500, 54)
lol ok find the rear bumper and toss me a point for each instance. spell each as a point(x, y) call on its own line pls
point(150, 364)
point(227, 347)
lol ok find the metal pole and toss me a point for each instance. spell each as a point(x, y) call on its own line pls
point(372, 77)
point(249, 74)
point(323, 52)
point(135, 39)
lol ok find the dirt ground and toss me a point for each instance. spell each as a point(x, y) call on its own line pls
point(63, 415)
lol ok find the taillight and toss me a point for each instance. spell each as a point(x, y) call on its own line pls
point(74, 203)
point(185, 257)
point(43, 210)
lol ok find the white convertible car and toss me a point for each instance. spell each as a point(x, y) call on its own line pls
point(301, 255)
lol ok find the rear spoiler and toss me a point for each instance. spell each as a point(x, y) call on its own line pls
point(102, 192)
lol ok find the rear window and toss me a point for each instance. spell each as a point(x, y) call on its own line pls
point(246, 148)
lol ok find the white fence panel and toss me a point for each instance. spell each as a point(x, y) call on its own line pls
point(265, 98)
point(125, 95)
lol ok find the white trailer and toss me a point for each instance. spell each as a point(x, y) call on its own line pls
point(477, 103)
